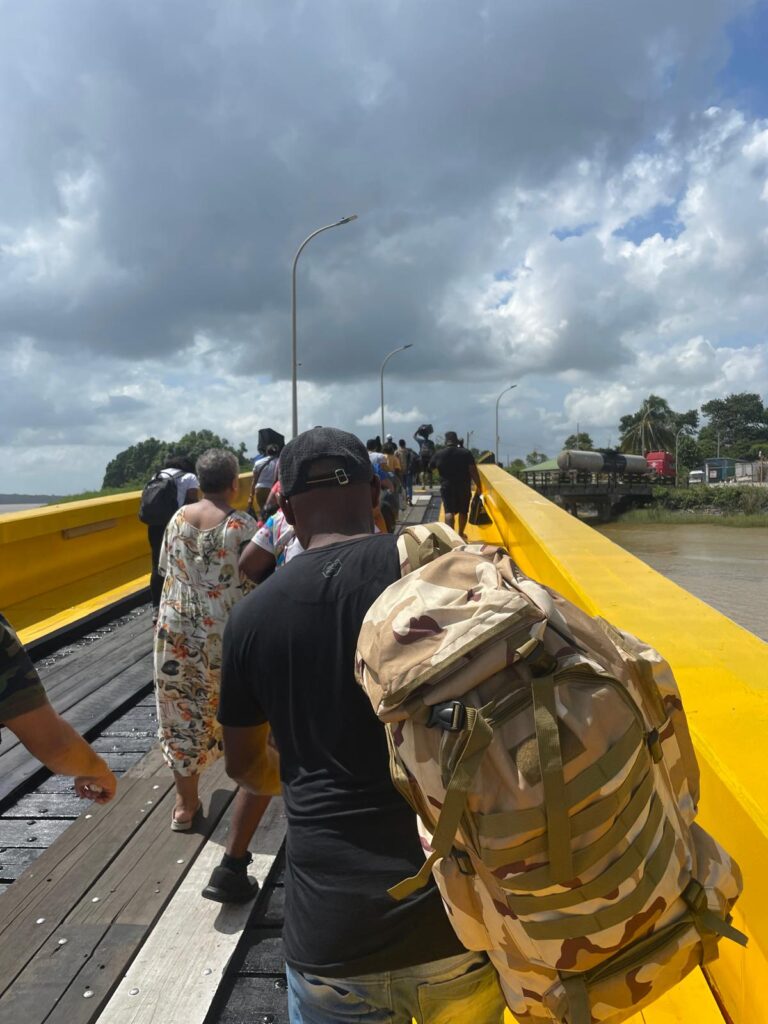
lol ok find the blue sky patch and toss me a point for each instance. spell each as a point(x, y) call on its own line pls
point(573, 232)
point(661, 220)
point(744, 79)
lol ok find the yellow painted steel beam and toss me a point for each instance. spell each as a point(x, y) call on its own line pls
point(61, 563)
point(722, 671)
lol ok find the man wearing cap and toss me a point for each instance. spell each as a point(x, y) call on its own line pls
point(458, 472)
point(352, 952)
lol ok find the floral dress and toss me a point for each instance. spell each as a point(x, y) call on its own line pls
point(202, 585)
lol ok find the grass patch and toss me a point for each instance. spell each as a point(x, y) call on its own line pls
point(681, 518)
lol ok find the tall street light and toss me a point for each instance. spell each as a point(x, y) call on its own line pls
point(497, 418)
point(294, 364)
point(386, 360)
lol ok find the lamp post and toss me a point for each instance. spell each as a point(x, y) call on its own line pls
point(294, 364)
point(677, 438)
point(386, 360)
point(497, 418)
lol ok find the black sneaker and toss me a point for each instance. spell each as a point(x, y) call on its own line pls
point(231, 884)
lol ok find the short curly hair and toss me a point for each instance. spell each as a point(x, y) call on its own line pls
point(215, 469)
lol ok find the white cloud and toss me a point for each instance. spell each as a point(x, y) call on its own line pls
point(159, 189)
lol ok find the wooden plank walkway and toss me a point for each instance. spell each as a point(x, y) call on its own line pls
point(173, 979)
point(88, 685)
point(73, 922)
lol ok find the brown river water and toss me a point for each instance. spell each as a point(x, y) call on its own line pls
point(725, 566)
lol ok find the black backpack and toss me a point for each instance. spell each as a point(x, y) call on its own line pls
point(159, 499)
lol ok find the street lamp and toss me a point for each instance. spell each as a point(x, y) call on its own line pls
point(386, 360)
point(497, 418)
point(294, 364)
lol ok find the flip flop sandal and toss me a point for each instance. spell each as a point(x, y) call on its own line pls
point(184, 826)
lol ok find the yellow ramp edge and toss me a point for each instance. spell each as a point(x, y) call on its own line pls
point(62, 563)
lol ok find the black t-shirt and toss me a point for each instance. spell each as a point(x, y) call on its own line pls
point(289, 659)
point(453, 465)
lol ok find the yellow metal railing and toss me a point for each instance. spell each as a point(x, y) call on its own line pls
point(722, 671)
point(60, 563)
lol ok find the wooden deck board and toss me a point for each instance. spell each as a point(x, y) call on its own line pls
point(126, 875)
point(111, 646)
point(172, 979)
point(98, 699)
point(85, 669)
point(47, 805)
point(67, 869)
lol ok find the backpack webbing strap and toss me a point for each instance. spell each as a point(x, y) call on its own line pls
point(551, 763)
point(577, 997)
point(609, 880)
point(707, 920)
point(576, 926)
point(628, 748)
point(505, 824)
point(622, 818)
point(479, 736)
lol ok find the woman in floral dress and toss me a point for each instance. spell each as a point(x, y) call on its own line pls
point(199, 559)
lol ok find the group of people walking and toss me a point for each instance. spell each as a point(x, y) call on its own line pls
point(247, 671)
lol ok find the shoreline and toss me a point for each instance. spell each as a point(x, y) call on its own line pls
point(667, 517)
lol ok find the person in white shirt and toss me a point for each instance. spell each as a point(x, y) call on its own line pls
point(187, 490)
point(264, 476)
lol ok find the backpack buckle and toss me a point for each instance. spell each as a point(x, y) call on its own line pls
point(463, 862)
point(654, 746)
point(451, 715)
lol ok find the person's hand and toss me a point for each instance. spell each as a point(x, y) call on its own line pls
point(99, 788)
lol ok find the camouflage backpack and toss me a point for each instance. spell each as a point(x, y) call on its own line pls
point(548, 759)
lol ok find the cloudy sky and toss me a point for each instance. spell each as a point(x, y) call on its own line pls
point(572, 197)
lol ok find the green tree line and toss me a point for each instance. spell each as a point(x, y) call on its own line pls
point(137, 464)
point(736, 427)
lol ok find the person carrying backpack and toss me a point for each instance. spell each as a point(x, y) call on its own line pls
point(352, 952)
point(173, 486)
point(264, 476)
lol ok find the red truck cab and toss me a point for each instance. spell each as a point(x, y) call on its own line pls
point(662, 465)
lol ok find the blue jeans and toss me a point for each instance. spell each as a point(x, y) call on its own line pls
point(455, 990)
point(409, 486)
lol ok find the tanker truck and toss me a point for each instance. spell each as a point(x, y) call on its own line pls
point(599, 462)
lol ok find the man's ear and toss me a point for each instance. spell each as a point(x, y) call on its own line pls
point(285, 508)
point(375, 491)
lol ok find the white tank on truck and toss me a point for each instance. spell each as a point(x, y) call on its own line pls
point(597, 462)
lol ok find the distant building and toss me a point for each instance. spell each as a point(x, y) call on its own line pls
point(751, 471)
point(740, 471)
point(718, 470)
